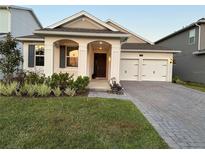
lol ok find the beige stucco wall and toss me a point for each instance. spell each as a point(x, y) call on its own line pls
point(83, 22)
point(164, 56)
point(57, 69)
point(39, 69)
point(85, 59)
point(132, 38)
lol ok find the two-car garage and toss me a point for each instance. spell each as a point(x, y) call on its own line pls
point(140, 64)
point(147, 70)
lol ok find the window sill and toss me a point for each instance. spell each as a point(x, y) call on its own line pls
point(68, 67)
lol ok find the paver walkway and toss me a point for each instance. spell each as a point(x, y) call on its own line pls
point(103, 94)
point(176, 112)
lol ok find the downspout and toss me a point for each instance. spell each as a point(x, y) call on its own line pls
point(199, 38)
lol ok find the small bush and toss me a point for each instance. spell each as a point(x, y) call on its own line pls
point(22, 91)
point(34, 84)
point(176, 79)
point(28, 89)
point(61, 80)
point(2, 88)
point(80, 84)
point(35, 78)
point(8, 89)
point(70, 92)
point(43, 90)
point(57, 92)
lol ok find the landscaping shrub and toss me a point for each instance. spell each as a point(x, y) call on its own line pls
point(20, 77)
point(28, 89)
point(176, 79)
point(10, 58)
point(2, 88)
point(61, 80)
point(70, 92)
point(22, 90)
point(80, 84)
point(43, 90)
point(57, 92)
point(8, 89)
point(34, 84)
point(35, 78)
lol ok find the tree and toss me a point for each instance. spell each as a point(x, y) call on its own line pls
point(10, 57)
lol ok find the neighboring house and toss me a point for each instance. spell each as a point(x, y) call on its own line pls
point(18, 21)
point(84, 45)
point(190, 63)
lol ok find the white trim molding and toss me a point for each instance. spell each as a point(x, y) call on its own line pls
point(81, 14)
point(199, 36)
point(80, 34)
point(155, 51)
point(30, 39)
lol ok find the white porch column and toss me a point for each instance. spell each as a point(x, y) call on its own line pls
point(48, 58)
point(115, 62)
point(82, 60)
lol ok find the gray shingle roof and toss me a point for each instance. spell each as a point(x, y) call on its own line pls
point(142, 46)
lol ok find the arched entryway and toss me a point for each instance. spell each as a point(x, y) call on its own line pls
point(66, 56)
point(99, 57)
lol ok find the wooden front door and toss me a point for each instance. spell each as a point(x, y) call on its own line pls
point(100, 65)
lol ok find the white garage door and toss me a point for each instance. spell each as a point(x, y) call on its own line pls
point(129, 69)
point(154, 70)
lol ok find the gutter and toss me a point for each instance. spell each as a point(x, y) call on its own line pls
point(199, 38)
point(80, 34)
point(30, 39)
point(150, 50)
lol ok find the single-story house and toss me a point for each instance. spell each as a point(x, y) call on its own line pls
point(84, 45)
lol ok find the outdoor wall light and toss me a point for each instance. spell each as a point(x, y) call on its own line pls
point(109, 59)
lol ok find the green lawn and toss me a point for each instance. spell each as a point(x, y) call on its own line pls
point(77, 122)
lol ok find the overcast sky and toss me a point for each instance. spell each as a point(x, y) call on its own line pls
point(151, 22)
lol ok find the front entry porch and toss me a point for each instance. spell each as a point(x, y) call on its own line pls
point(98, 59)
point(99, 84)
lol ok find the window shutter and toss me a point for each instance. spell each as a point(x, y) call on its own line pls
point(31, 55)
point(62, 56)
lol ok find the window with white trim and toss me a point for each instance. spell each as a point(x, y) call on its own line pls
point(72, 56)
point(39, 50)
point(192, 36)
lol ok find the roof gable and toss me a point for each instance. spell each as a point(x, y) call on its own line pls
point(83, 22)
point(135, 36)
point(79, 15)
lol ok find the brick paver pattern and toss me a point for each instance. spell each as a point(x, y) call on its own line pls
point(176, 112)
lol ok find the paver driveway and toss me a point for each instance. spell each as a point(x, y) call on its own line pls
point(176, 112)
